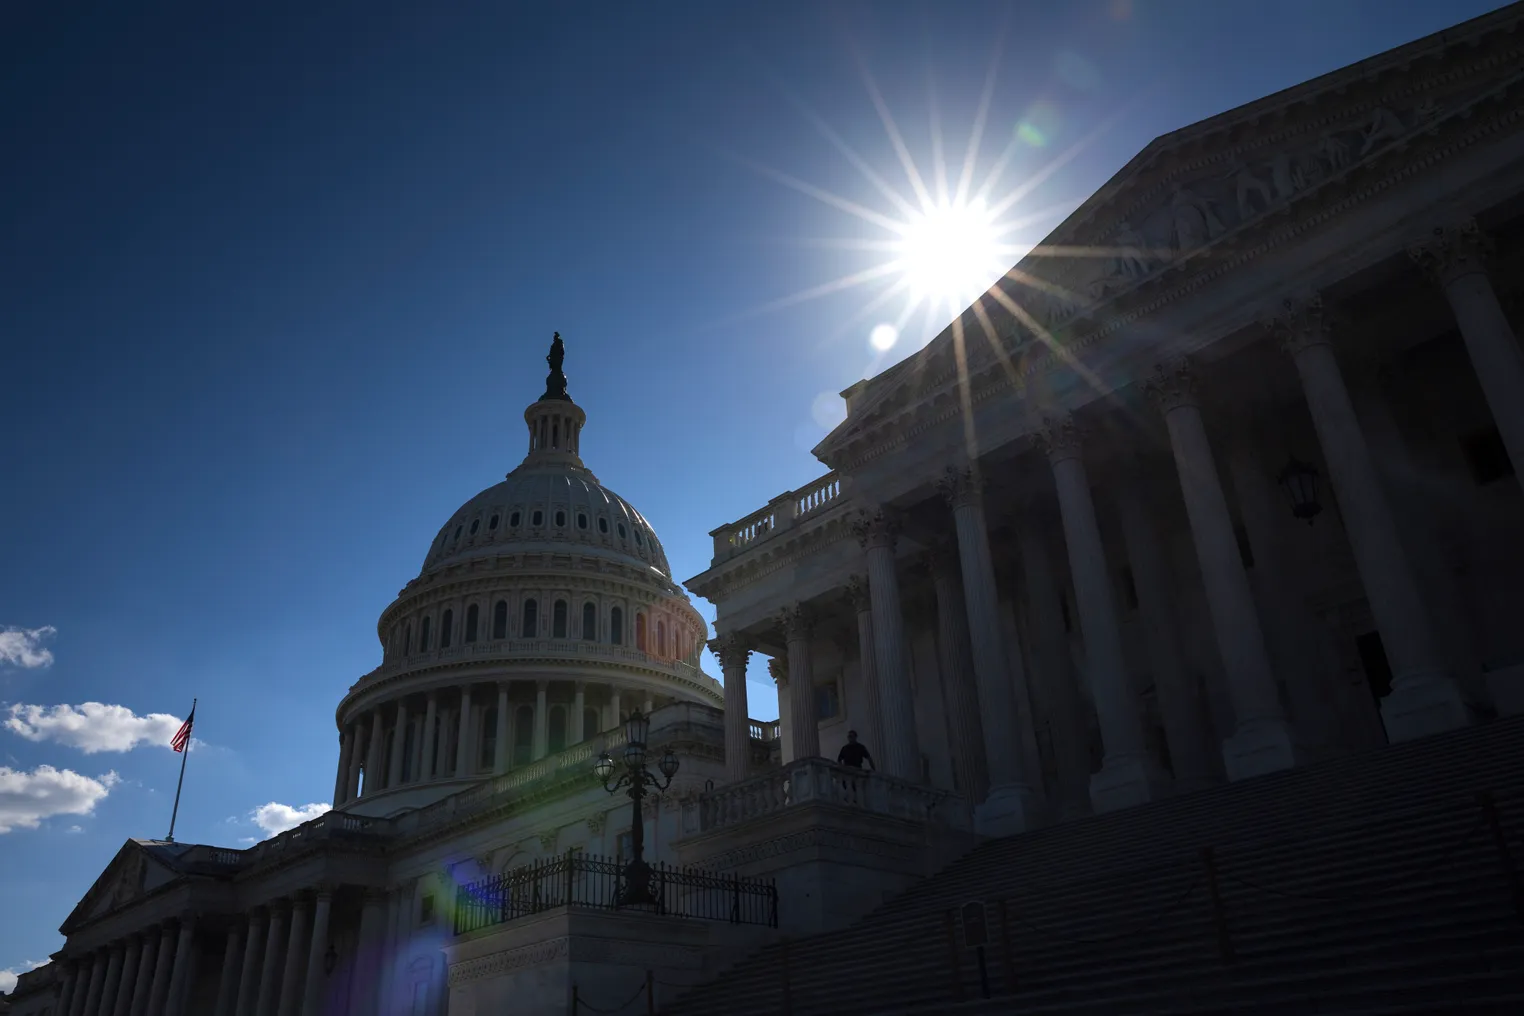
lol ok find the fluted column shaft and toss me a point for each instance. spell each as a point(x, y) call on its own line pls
point(870, 726)
point(1390, 586)
point(1455, 258)
point(900, 749)
point(122, 1004)
point(733, 654)
point(804, 723)
point(270, 970)
point(955, 659)
point(576, 722)
point(375, 751)
point(312, 997)
point(253, 954)
point(429, 769)
point(368, 972)
point(232, 953)
point(500, 741)
point(291, 983)
point(180, 977)
point(463, 735)
point(346, 754)
point(541, 719)
point(356, 762)
point(399, 746)
point(1262, 741)
point(113, 983)
point(98, 962)
point(143, 984)
point(1181, 709)
point(70, 987)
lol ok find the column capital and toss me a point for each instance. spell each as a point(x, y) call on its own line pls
point(778, 668)
point(732, 651)
point(1298, 321)
point(1173, 386)
point(1060, 438)
point(300, 902)
point(797, 621)
point(960, 486)
point(1449, 252)
point(879, 528)
point(857, 592)
point(322, 893)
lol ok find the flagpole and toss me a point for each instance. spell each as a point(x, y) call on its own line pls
point(184, 757)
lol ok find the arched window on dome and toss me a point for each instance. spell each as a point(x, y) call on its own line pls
point(590, 622)
point(558, 620)
point(446, 628)
point(423, 635)
point(661, 638)
point(471, 620)
point(407, 638)
point(640, 632)
point(523, 735)
point(500, 620)
point(531, 628)
point(616, 626)
point(590, 723)
point(556, 729)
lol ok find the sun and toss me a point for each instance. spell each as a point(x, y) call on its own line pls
point(950, 252)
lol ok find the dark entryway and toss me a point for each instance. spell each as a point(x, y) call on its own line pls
point(1378, 672)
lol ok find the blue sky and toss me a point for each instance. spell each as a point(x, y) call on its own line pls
point(278, 284)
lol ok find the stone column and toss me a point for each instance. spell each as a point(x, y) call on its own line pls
point(541, 720)
point(870, 726)
point(733, 654)
point(312, 997)
point(70, 988)
point(900, 748)
point(248, 974)
point(1262, 741)
point(341, 778)
point(356, 762)
point(399, 746)
point(500, 743)
point(227, 988)
point(368, 970)
point(275, 948)
point(1454, 257)
point(143, 983)
point(615, 705)
point(1129, 774)
point(574, 721)
point(1181, 709)
point(777, 669)
point(291, 983)
point(98, 961)
point(427, 771)
point(463, 736)
point(113, 983)
point(956, 662)
point(1424, 698)
point(123, 996)
point(804, 723)
point(375, 779)
point(180, 978)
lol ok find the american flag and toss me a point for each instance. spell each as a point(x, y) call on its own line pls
point(182, 736)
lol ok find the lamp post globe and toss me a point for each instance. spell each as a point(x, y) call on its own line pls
point(603, 767)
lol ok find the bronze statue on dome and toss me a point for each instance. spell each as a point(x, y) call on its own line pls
point(555, 384)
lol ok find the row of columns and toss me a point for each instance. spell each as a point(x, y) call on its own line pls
point(145, 974)
point(1424, 699)
point(363, 743)
point(273, 963)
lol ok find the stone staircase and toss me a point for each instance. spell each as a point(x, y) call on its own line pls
point(1368, 884)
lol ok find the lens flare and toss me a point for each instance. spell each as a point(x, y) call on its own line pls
point(948, 251)
point(883, 337)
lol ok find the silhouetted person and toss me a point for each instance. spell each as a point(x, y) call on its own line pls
point(854, 754)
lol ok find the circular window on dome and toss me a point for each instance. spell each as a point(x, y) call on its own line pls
point(492, 523)
point(621, 530)
point(560, 519)
point(537, 519)
point(513, 520)
point(475, 525)
point(603, 525)
point(581, 521)
point(457, 532)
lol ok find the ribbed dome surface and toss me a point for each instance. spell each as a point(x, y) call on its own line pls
point(547, 506)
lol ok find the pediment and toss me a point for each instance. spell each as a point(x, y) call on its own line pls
point(132, 874)
point(1197, 191)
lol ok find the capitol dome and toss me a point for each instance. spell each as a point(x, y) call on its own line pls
point(543, 614)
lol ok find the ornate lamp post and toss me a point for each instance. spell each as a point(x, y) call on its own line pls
point(637, 874)
point(1300, 482)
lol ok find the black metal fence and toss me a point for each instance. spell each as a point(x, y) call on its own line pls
point(579, 880)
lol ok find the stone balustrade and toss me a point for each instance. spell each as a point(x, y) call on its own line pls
point(764, 730)
point(815, 780)
point(784, 512)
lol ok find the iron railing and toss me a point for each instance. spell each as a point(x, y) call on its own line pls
point(579, 880)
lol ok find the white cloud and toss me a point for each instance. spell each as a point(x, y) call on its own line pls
point(22, 647)
point(28, 798)
point(92, 726)
point(277, 818)
point(8, 976)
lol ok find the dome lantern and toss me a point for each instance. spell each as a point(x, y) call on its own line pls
point(555, 421)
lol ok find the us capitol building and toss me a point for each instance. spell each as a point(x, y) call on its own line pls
point(1224, 485)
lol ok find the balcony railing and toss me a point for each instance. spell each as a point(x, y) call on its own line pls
point(782, 514)
point(816, 780)
point(764, 730)
point(576, 880)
